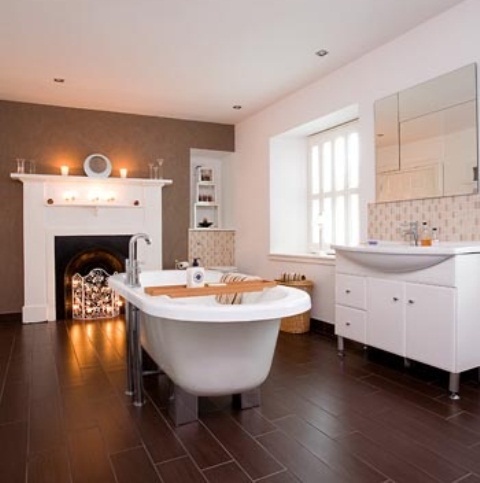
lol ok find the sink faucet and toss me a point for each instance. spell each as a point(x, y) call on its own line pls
point(132, 266)
point(411, 230)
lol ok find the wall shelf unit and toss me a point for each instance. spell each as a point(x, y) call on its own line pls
point(206, 208)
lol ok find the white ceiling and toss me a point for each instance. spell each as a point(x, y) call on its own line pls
point(188, 59)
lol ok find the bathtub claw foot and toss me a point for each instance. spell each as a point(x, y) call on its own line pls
point(248, 399)
point(182, 406)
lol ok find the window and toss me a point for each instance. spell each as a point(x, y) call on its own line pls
point(333, 187)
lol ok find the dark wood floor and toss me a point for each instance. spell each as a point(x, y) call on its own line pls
point(64, 417)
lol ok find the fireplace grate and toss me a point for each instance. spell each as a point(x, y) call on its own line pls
point(92, 298)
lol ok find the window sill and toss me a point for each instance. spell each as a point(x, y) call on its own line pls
point(314, 258)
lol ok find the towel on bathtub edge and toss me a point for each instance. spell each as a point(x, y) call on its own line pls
point(233, 298)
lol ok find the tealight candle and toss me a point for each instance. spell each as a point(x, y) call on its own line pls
point(64, 170)
point(123, 172)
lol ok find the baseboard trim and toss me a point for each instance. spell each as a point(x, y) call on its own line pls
point(15, 317)
point(323, 328)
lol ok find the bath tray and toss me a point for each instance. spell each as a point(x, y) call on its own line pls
point(210, 289)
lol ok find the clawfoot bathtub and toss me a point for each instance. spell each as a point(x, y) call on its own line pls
point(207, 348)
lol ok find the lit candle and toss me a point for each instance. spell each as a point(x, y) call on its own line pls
point(64, 170)
point(123, 172)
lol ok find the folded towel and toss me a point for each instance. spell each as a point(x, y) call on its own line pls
point(233, 298)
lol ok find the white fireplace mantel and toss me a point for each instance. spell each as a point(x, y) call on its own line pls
point(56, 205)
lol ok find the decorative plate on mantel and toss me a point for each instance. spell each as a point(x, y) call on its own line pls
point(97, 166)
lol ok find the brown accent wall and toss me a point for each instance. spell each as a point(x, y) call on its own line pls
point(56, 135)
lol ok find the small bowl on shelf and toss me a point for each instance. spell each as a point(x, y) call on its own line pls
point(205, 224)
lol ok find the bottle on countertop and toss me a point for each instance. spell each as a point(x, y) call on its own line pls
point(435, 238)
point(425, 235)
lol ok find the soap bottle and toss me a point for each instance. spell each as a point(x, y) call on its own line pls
point(195, 275)
point(435, 239)
point(425, 235)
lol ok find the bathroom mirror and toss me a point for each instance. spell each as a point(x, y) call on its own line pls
point(426, 139)
point(97, 166)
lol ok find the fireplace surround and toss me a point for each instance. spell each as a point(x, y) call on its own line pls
point(76, 206)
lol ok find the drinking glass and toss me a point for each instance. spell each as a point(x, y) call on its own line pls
point(160, 168)
point(20, 165)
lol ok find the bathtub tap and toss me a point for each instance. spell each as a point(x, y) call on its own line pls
point(132, 266)
point(132, 269)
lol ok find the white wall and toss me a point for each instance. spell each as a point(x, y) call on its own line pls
point(445, 43)
point(288, 195)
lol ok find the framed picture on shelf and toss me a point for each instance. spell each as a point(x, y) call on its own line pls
point(205, 174)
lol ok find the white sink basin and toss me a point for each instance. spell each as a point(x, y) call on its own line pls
point(399, 257)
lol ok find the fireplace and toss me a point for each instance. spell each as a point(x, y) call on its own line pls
point(120, 207)
point(79, 255)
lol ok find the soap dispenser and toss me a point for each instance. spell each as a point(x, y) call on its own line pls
point(425, 235)
point(195, 275)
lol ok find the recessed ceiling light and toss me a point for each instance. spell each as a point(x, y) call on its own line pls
point(321, 52)
point(237, 107)
point(59, 80)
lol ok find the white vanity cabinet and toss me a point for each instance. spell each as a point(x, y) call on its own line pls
point(430, 315)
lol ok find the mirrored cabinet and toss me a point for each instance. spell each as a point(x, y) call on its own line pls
point(426, 139)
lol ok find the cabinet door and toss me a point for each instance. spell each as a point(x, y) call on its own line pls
point(351, 290)
point(350, 323)
point(430, 325)
point(386, 315)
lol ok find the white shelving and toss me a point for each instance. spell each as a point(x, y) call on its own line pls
point(206, 207)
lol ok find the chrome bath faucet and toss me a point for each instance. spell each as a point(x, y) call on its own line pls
point(132, 266)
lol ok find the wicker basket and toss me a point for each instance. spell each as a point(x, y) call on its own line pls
point(297, 324)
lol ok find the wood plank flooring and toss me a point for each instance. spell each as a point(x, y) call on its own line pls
point(64, 417)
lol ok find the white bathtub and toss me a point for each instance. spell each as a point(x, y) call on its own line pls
point(206, 348)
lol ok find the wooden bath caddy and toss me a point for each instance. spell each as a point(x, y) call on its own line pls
point(175, 291)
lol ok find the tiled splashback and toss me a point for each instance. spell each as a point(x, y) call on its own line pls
point(214, 247)
point(456, 217)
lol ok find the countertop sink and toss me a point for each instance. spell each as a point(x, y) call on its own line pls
point(400, 257)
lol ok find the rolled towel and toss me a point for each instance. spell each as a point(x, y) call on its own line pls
point(292, 277)
point(233, 298)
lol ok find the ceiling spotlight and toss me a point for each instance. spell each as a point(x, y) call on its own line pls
point(59, 80)
point(321, 52)
point(237, 107)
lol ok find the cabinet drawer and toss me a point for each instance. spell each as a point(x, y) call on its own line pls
point(350, 323)
point(351, 290)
